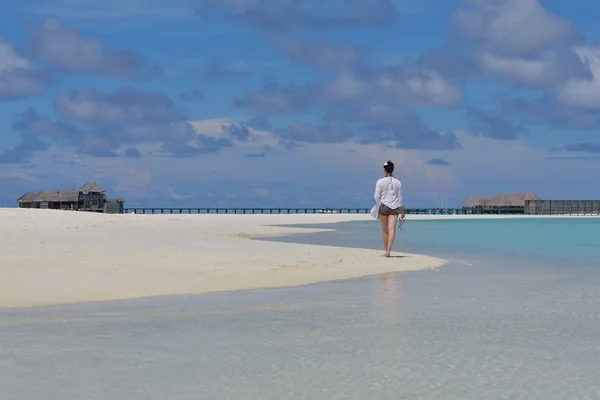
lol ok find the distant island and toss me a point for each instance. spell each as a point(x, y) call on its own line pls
point(91, 197)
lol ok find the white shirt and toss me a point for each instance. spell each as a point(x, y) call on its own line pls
point(388, 191)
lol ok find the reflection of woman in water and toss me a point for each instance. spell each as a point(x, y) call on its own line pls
point(388, 284)
point(388, 195)
point(389, 307)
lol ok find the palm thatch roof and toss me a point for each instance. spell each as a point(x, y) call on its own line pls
point(531, 196)
point(476, 201)
point(57, 196)
point(26, 198)
point(92, 187)
point(500, 200)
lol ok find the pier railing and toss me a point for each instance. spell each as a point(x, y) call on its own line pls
point(562, 207)
point(346, 210)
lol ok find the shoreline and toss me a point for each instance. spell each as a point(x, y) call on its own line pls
point(53, 257)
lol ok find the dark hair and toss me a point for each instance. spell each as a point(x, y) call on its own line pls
point(388, 167)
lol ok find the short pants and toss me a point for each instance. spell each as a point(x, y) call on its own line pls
point(385, 210)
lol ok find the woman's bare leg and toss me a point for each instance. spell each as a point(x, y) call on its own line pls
point(391, 227)
point(384, 231)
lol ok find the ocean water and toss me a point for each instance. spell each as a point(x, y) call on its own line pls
point(549, 242)
point(505, 320)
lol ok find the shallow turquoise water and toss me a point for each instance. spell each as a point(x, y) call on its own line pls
point(567, 241)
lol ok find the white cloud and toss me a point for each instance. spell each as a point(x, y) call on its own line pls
point(520, 41)
point(9, 59)
point(55, 43)
point(398, 85)
point(512, 27)
point(308, 175)
point(546, 70)
point(213, 127)
point(18, 76)
point(583, 93)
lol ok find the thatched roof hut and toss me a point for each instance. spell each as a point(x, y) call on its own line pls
point(91, 187)
point(476, 201)
point(531, 196)
point(67, 196)
point(26, 198)
point(500, 200)
point(470, 202)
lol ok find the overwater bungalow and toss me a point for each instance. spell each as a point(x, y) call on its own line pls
point(504, 202)
point(90, 197)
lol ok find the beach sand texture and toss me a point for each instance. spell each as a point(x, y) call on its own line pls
point(56, 257)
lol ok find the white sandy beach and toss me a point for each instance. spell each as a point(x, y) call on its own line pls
point(55, 257)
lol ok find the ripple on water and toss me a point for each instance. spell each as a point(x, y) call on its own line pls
point(453, 334)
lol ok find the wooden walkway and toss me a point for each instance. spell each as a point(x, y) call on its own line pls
point(215, 210)
point(562, 207)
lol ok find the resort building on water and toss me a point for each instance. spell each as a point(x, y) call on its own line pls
point(90, 197)
point(499, 201)
point(529, 203)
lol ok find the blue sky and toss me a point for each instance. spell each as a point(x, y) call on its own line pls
point(246, 103)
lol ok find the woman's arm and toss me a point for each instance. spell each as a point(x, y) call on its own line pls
point(401, 201)
point(377, 195)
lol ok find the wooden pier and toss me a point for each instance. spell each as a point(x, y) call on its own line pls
point(223, 210)
point(562, 207)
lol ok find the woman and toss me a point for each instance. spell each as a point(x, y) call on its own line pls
point(388, 195)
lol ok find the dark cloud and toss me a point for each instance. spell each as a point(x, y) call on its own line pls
point(580, 147)
point(274, 99)
point(217, 70)
point(105, 123)
point(547, 111)
point(260, 122)
point(399, 85)
point(403, 130)
point(124, 107)
point(286, 15)
point(451, 63)
point(21, 82)
point(192, 95)
point(31, 124)
point(57, 44)
point(29, 144)
point(493, 126)
point(31, 121)
point(438, 162)
point(132, 152)
point(322, 54)
point(366, 107)
point(236, 131)
point(399, 128)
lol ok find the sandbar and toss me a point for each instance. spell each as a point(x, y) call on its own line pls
point(52, 257)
